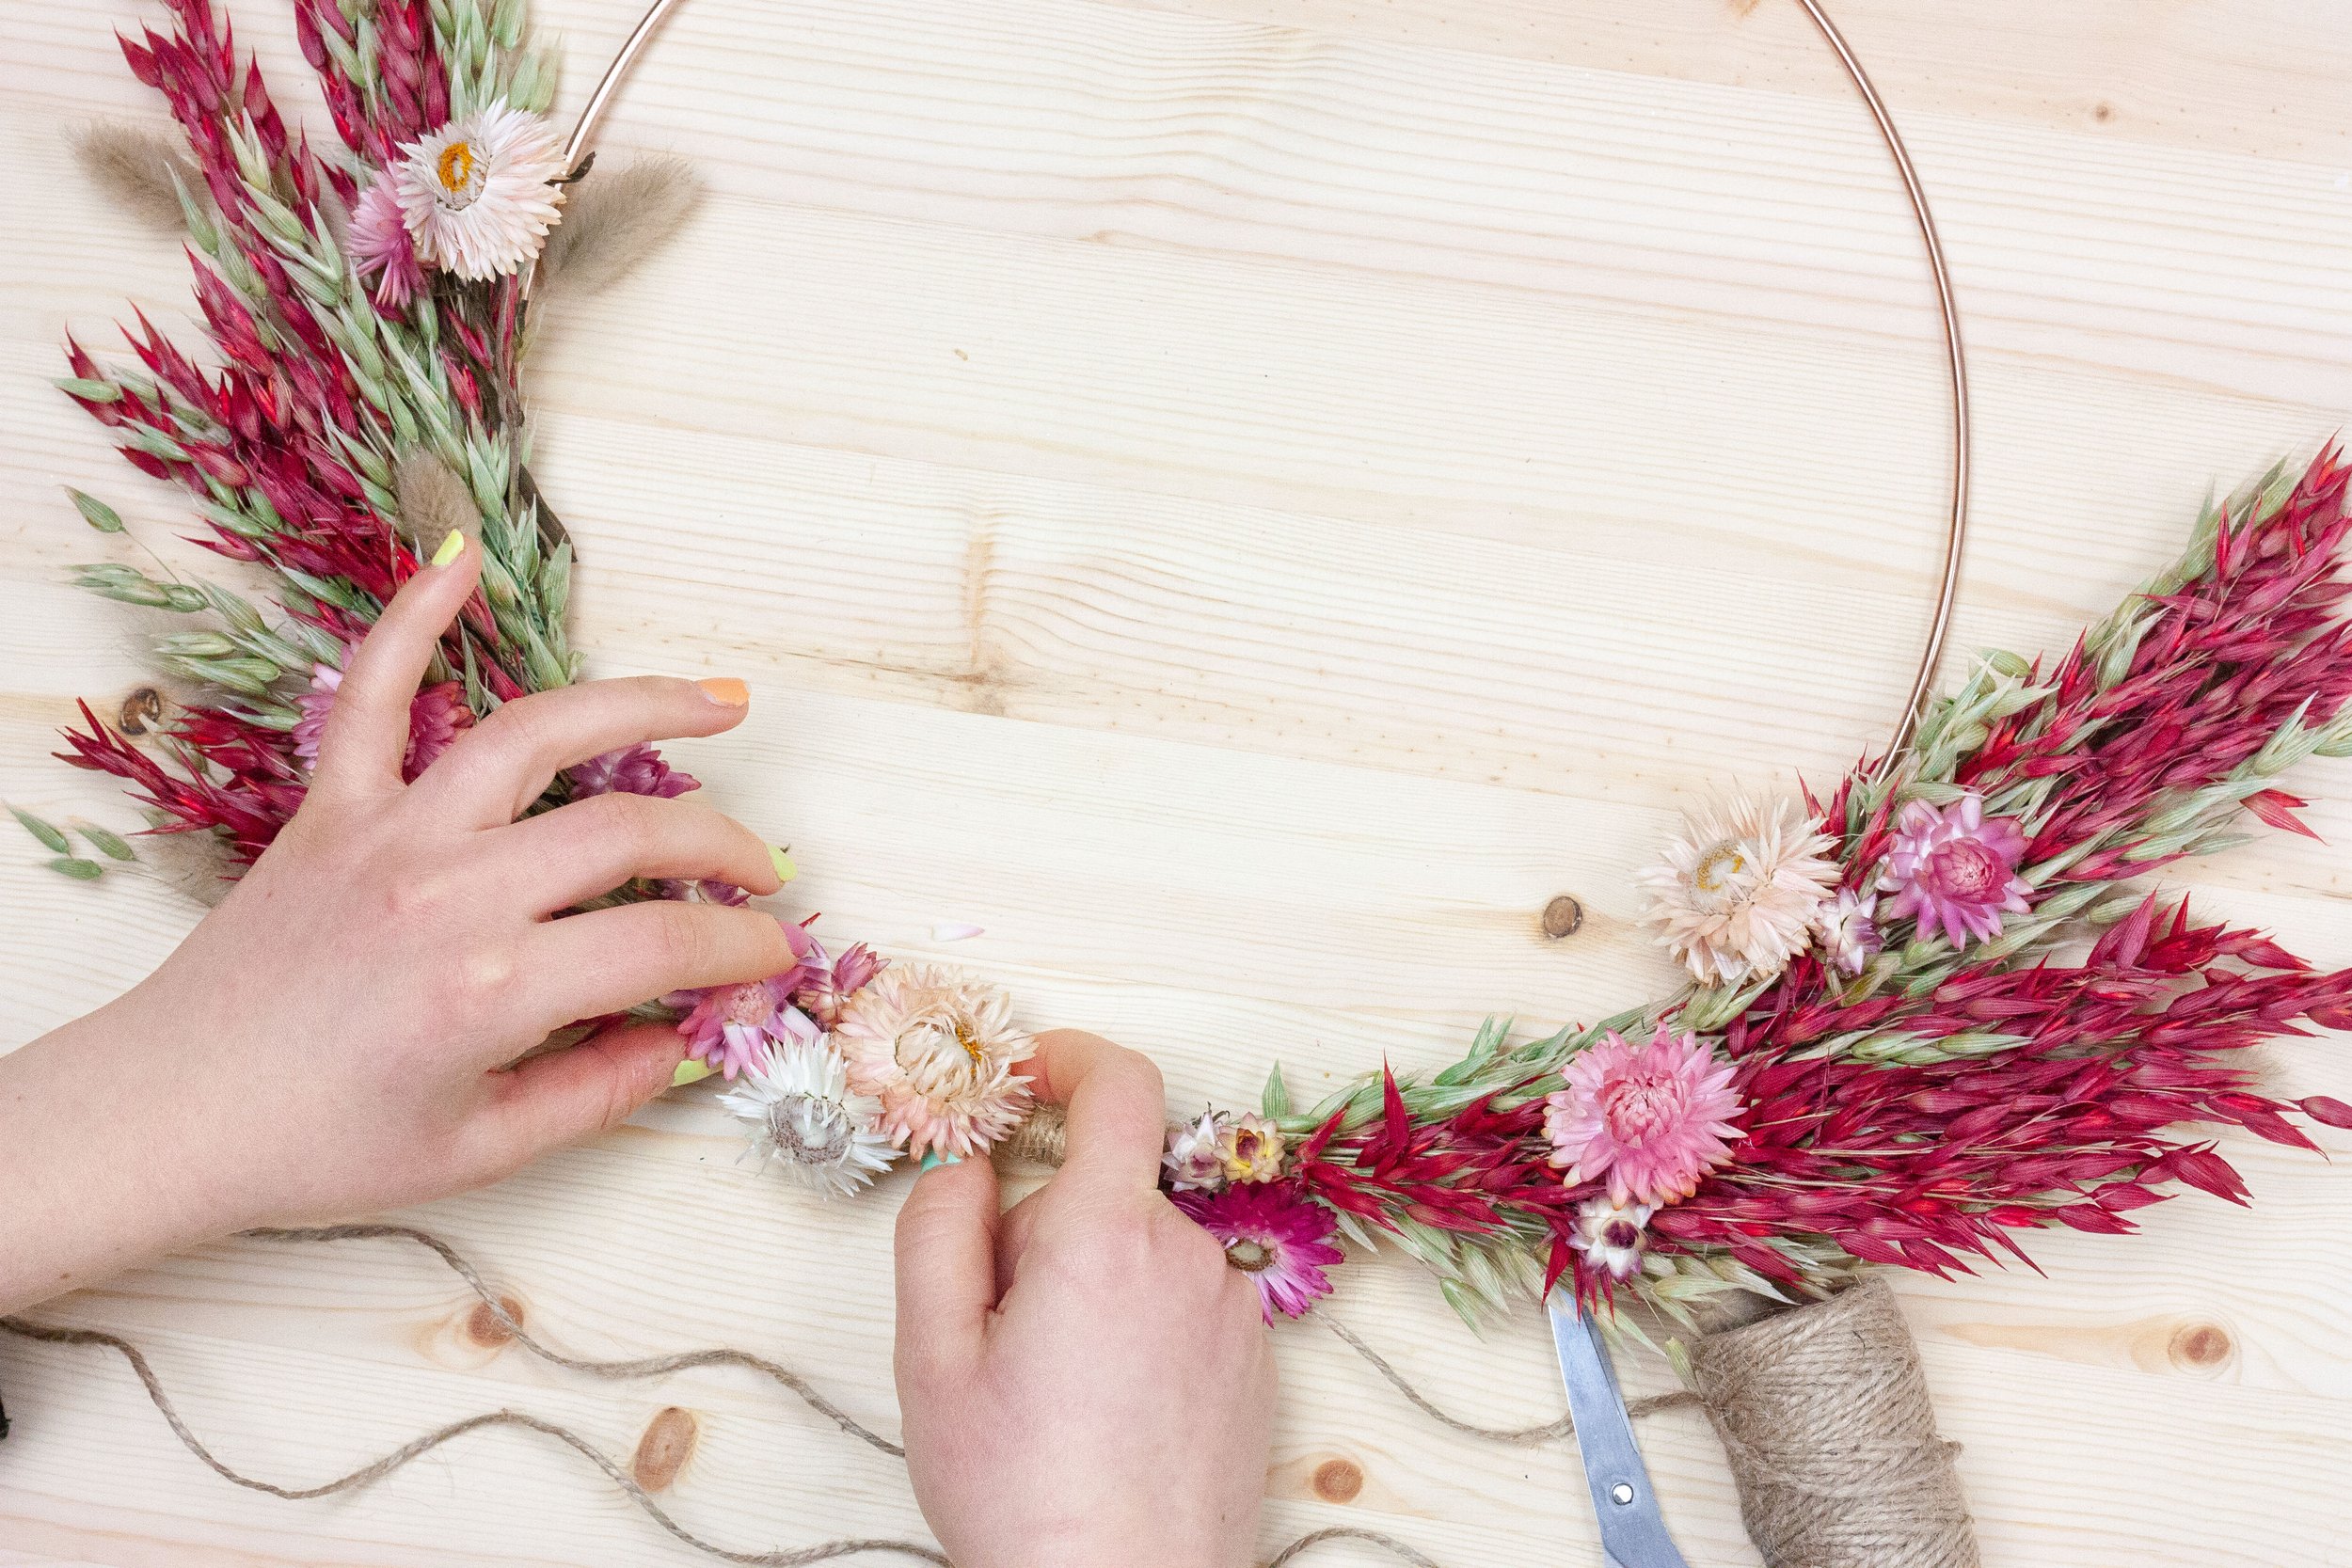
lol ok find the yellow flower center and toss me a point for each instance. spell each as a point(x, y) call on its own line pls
point(963, 1038)
point(1722, 863)
point(456, 167)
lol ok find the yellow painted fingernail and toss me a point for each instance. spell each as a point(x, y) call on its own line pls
point(782, 861)
point(451, 547)
point(689, 1072)
point(726, 691)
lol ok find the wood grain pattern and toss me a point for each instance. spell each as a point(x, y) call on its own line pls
point(1247, 501)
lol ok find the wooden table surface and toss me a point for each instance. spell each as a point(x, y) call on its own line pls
point(1245, 501)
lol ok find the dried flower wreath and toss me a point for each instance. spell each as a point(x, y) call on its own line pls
point(1893, 1048)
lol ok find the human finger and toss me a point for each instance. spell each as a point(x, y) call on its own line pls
point(365, 738)
point(946, 1250)
point(611, 960)
point(495, 770)
point(563, 857)
point(1116, 1105)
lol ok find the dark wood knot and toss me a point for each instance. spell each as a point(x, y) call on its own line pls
point(1562, 918)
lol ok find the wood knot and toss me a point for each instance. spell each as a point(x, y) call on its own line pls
point(2199, 1345)
point(483, 1327)
point(665, 1447)
point(2103, 112)
point(141, 710)
point(1338, 1481)
point(1562, 918)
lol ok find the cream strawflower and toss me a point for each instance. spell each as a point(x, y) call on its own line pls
point(1735, 896)
point(937, 1049)
point(475, 193)
point(802, 1116)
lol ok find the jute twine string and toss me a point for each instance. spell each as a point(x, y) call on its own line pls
point(1825, 1415)
point(1822, 1411)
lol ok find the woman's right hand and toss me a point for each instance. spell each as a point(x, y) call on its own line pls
point(1085, 1381)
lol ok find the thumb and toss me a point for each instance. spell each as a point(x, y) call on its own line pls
point(576, 1093)
point(947, 1258)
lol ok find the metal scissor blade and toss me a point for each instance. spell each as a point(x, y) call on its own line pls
point(1632, 1533)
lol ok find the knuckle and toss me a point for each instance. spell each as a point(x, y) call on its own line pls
point(519, 726)
point(682, 938)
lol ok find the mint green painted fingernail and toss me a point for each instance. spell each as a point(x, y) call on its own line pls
point(935, 1159)
point(689, 1072)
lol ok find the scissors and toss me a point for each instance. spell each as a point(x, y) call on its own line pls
point(1632, 1534)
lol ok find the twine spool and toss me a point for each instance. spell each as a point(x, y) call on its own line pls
point(1824, 1413)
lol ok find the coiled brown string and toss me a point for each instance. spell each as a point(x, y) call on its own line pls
point(1823, 1412)
point(659, 1365)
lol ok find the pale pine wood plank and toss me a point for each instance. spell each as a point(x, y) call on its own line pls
point(1128, 409)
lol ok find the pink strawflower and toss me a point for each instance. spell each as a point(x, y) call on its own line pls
point(437, 718)
point(381, 244)
point(1282, 1240)
point(637, 769)
point(833, 981)
point(1652, 1118)
point(730, 1027)
point(1956, 868)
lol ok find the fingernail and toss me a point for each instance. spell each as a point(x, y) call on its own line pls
point(935, 1159)
point(451, 547)
point(726, 691)
point(782, 861)
point(689, 1072)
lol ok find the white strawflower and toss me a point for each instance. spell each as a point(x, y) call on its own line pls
point(797, 1099)
point(1735, 896)
point(475, 193)
point(1193, 1161)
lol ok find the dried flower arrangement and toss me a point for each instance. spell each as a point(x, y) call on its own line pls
point(368, 306)
point(1883, 1057)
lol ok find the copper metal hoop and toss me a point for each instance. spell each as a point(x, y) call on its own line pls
point(1956, 359)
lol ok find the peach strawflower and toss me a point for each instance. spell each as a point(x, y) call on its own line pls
point(1735, 896)
point(1251, 1149)
point(937, 1048)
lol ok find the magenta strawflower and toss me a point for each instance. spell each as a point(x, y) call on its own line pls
point(1281, 1239)
point(1954, 868)
point(637, 769)
point(382, 245)
point(729, 1027)
point(835, 980)
point(437, 718)
point(1652, 1118)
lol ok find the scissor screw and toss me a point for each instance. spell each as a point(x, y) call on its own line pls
point(1621, 1494)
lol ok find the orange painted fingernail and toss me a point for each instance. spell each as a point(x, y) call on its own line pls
point(726, 691)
